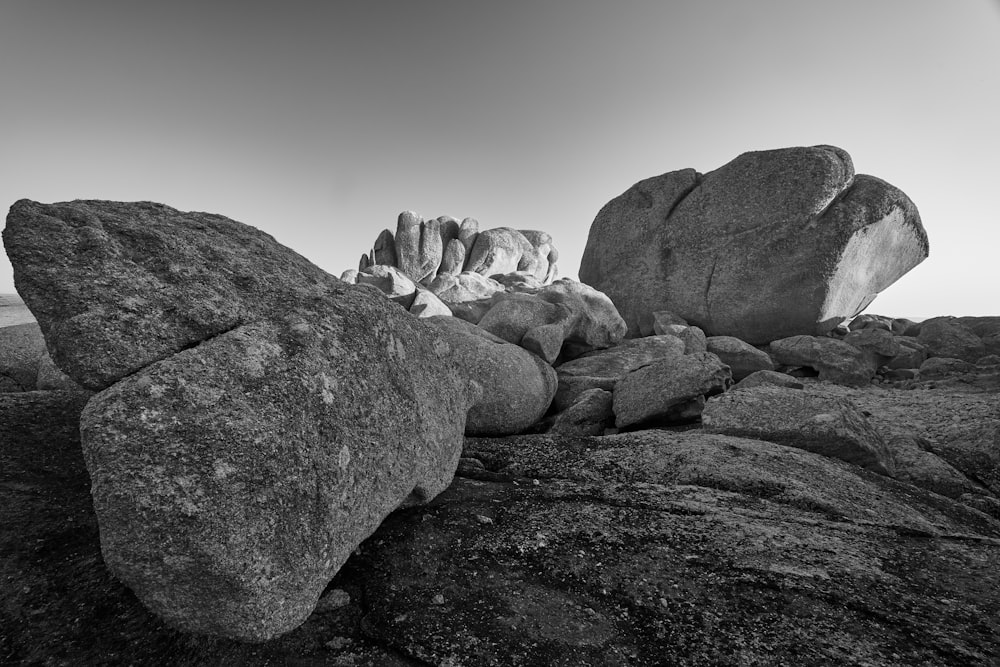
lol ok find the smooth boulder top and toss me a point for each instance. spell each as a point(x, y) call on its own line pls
point(116, 286)
point(773, 244)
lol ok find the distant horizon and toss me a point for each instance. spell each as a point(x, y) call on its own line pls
point(320, 124)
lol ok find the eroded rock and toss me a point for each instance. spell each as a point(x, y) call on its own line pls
point(773, 244)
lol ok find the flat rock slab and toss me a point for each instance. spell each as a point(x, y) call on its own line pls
point(833, 427)
point(116, 286)
point(643, 549)
point(232, 480)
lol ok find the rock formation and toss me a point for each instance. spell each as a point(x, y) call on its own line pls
point(257, 420)
point(254, 427)
point(773, 244)
point(425, 250)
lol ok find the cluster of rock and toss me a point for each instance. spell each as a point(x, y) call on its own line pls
point(442, 266)
point(773, 244)
point(256, 418)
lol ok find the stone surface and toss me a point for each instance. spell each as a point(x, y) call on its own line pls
point(616, 362)
point(390, 281)
point(501, 250)
point(590, 414)
point(523, 319)
point(742, 358)
point(116, 286)
point(942, 366)
point(765, 377)
point(453, 259)
point(878, 346)
point(830, 427)
point(50, 378)
point(566, 315)
point(947, 337)
point(657, 322)
point(912, 353)
point(21, 348)
point(596, 323)
point(232, 480)
point(693, 337)
point(833, 359)
point(427, 304)
point(773, 244)
point(661, 390)
point(418, 246)
point(467, 294)
point(645, 548)
point(384, 249)
point(517, 386)
point(916, 464)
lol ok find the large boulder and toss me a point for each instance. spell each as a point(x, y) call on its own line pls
point(232, 480)
point(671, 389)
point(564, 315)
point(601, 369)
point(391, 281)
point(742, 358)
point(467, 294)
point(116, 286)
point(948, 337)
point(418, 246)
point(773, 244)
point(517, 386)
point(832, 359)
point(825, 425)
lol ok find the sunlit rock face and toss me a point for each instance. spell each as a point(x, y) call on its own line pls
point(773, 244)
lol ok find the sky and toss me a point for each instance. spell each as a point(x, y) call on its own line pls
point(319, 122)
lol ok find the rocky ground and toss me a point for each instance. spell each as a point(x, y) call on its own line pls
point(654, 547)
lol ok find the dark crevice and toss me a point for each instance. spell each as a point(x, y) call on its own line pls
point(708, 287)
point(196, 343)
point(677, 202)
point(833, 202)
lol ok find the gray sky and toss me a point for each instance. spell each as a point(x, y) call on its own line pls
point(319, 122)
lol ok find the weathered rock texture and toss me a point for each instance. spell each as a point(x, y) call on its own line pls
point(426, 250)
point(262, 417)
point(232, 480)
point(773, 244)
point(831, 427)
point(644, 549)
point(117, 286)
point(517, 387)
point(670, 388)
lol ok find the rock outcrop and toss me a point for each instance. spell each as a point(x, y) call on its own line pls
point(426, 250)
point(831, 427)
point(773, 244)
point(258, 418)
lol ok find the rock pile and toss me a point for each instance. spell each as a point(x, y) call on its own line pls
point(255, 419)
point(773, 244)
point(501, 279)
